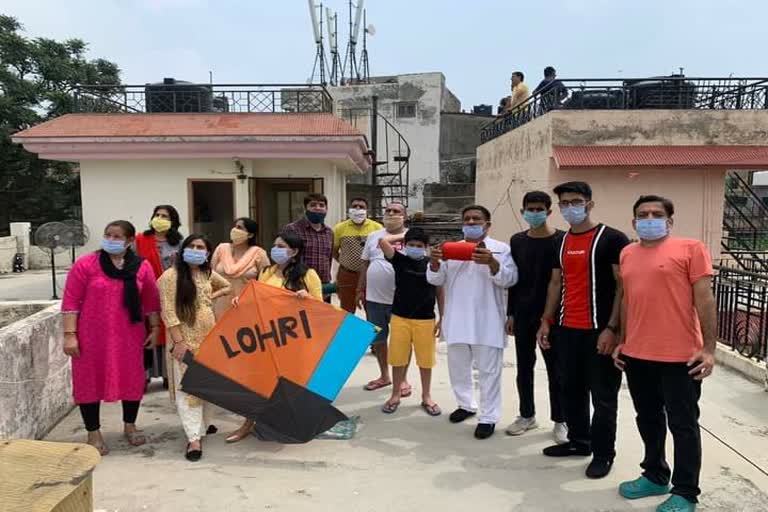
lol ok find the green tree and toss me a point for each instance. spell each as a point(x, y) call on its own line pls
point(38, 78)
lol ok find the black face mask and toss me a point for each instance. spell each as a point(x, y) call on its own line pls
point(315, 217)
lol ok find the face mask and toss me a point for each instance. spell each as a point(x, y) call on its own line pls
point(473, 232)
point(160, 225)
point(238, 236)
point(357, 215)
point(393, 222)
point(195, 256)
point(112, 246)
point(535, 219)
point(279, 255)
point(574, 215)
point(651, 229)
point(316, 217)
point(417, 253)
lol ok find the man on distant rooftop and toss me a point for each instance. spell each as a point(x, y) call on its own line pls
point(552, 90)
point(520, 92)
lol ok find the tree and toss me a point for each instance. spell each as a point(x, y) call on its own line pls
point(38, 78)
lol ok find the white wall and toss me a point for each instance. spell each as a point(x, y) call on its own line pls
point(130, 189)
point(422, 132)
point(7, 252)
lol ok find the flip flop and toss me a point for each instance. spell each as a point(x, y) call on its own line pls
point(432, 410)
point(103, 449)
point(135, 438)
point(376, 384)
point(406, 391)
point(389, 407)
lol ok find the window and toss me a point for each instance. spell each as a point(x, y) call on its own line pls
point(406, 109)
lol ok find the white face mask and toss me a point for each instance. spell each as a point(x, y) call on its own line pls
point(357, 215)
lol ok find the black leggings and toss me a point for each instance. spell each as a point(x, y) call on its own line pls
point(91, 416)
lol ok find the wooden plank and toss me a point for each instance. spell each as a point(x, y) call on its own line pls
point(39, 476)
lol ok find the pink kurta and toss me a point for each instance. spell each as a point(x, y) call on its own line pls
point(111, 362)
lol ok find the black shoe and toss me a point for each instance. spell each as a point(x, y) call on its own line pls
point(599, 468)
point(460, 415)
point(193, 455)
point(484, 430)
point(212, 429)
point(566, 450)
point(165, 383)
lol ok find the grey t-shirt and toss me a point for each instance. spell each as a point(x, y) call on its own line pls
point(167, 253)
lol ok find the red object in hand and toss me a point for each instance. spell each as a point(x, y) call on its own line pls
point(458, 250)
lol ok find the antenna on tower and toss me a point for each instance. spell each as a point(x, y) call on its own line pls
point(368, 30)
point(317, 29)
point(354, 30)
point(333, 42)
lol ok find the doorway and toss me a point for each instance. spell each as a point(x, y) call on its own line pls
point(276, 202)
point(212, 208)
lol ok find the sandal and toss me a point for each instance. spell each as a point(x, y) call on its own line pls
point(389, 407)
point(135, 438)
point(239, 434)
point(406, 391)
point(377, 384)
point(432, 410)
point(103, 449)
point(193, 455)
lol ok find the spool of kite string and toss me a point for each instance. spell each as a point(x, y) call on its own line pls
point(461, 251)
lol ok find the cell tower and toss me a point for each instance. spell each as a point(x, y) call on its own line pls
point(332, 23)
point(350, 58)
point(317, 28)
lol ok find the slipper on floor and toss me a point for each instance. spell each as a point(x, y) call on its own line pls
point(135, 438)
point(406, 392)
point(376, 384)
point(432, 410)
point(389, 407)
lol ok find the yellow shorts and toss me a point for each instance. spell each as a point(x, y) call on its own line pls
point(405, 333)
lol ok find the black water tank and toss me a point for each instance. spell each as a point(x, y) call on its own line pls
point(483, 110)
point(178, 96)
point(672, 92)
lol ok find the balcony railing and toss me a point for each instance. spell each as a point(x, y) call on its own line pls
point(742, 310)
point(675, 92)
point(188, 97)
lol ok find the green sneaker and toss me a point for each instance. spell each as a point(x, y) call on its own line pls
point(641, 488)
point(676, 503)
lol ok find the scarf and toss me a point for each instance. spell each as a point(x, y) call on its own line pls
point(146, 247)
point(255, 258)
point(127, 274)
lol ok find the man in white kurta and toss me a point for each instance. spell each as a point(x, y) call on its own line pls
point(475, 312)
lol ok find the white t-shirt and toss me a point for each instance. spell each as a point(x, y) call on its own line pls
point(380, 278)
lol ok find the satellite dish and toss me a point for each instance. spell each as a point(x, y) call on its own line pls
point(371, 30)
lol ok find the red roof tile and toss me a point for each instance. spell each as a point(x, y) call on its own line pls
point(188, 124)
point(661, 156)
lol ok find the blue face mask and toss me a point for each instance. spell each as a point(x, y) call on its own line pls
point(651, 229)
point(574, 215)
point(473, 232)
point(279, 255)
point(535, 219)
point(195, 256)
point(417, 253)
point(316, 217)
point(112, 246)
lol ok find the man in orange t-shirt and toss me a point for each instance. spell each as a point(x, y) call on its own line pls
point(669, 322)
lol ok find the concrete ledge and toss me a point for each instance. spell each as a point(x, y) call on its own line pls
point(749, 368)
point(35, 375)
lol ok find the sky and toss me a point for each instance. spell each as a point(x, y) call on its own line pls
point(476, 44)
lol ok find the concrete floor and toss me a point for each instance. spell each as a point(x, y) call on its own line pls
point(411, 462)
point(31, 285)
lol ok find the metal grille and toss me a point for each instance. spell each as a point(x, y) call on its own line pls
point(742, 310)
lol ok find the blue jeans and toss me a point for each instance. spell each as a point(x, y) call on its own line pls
point(379, 314)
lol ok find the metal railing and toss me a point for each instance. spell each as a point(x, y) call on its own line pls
point(188, 97)
point(742, 310)
point(673, 92)
point(745, 225)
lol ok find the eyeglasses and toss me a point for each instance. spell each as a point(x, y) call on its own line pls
point(573, 202)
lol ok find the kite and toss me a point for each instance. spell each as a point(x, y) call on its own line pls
point(280, 361)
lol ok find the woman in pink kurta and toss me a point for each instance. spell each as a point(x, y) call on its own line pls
point(107, 296)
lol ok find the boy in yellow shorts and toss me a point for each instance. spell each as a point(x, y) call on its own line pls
point(413, 325)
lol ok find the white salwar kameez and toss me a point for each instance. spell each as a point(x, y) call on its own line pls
point(194, 418)
point(473, 326)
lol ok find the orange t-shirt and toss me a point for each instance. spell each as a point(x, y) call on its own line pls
point(662, 323)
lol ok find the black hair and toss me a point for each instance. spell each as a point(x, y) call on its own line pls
point(574, 187)
point(520, 74)
point(669, 207)
point(417, 234)
point(173, 236)
point(359, 199)
point(549, 72)
point(478, 207)
point(296, 269)
point(537, 196)
point(315, 197)
point(252, 227)
point(128, 229)
point(186, 290)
